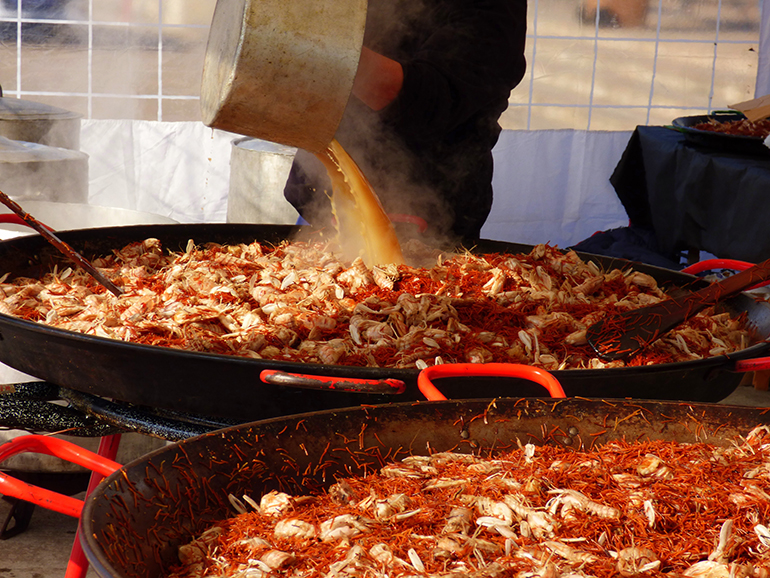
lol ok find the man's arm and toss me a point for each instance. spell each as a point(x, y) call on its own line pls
point(378, 80)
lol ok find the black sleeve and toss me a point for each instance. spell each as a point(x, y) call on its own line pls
point(469, 63)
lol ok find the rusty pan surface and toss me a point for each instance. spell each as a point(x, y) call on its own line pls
point(228, 386)
point(135, 520)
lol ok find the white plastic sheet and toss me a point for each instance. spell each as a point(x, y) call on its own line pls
point(179, 170)
point(553, 186)
point(550, 186)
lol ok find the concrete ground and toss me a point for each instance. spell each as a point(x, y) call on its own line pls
point(43, 549)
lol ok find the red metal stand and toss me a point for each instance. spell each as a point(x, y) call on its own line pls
point(101, 464)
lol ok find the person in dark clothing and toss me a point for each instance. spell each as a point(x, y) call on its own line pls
point(433, 79)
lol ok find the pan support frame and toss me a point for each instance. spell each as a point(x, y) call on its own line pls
point(42, 407)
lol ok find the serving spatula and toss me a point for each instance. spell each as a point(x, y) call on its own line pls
point(623, 335)
point(63, 247)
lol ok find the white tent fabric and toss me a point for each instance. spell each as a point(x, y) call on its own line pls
point(550, 186)
point(175, 169)
point(763, 67)
point(553, 186)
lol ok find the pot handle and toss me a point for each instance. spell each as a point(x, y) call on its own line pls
point(421, 224)
point(12, 219)
point(742, 365)
point(755, 364)
point(535, 374)
point(348, 384)
point(711, 264)
point(10, 486)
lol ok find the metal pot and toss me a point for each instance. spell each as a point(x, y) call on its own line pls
point(132, 525)
point(221, 385)
point(258, 172)
point(33, 171)
point(33, 122)
point(282, 71)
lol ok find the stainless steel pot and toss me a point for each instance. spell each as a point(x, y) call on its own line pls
point(34, 171)
point(258, 173)
point(282, 71)
point(23, 120)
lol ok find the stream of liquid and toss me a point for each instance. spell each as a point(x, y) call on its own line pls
point(362, 224)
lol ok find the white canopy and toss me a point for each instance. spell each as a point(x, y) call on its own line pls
point(550, 185)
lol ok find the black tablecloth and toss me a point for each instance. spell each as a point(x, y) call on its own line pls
point(696, 197)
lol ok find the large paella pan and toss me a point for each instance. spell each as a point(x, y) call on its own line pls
point(222, 385)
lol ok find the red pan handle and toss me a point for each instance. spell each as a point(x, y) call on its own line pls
point(419, 221)
point(15, 220)
point(743, 365)
point(10, 486)
point(711, 264)
point(349, 384)
point(756, 364)
point(12, 219)
point(535, 374)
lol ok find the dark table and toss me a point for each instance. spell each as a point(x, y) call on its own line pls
point(696, 196)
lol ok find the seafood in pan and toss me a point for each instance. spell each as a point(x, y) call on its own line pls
point(301, 301)
point(630, 509)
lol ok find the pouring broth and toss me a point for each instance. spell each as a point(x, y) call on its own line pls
point(358, 210)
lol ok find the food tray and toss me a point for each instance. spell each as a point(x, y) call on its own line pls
point(730, 143)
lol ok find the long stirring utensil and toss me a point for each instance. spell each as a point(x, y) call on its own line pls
point(63, 247)
point(621, 336)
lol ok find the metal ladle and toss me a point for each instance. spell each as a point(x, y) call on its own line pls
point(63, 247)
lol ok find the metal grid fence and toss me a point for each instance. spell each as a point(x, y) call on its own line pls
point(592, 64)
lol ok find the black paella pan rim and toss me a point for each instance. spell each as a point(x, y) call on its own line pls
point(133, 523)
point(721, 141)
point(228, 386)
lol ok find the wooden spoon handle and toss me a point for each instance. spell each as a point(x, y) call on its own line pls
point(63, 247)
point(621, 336)
point(735, 283)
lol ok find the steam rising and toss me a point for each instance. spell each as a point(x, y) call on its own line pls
point(383, 158)
point(35, 152)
